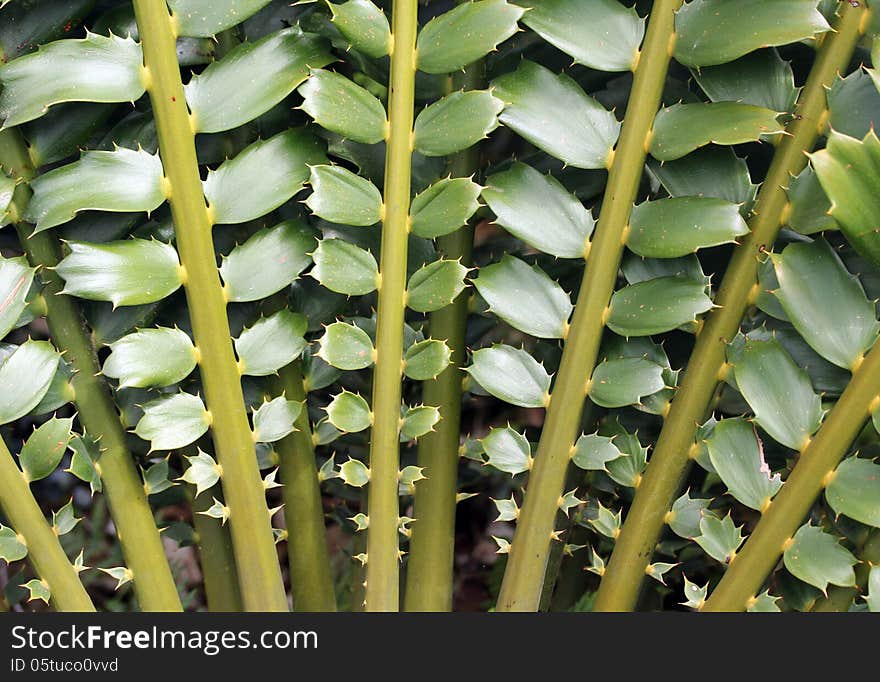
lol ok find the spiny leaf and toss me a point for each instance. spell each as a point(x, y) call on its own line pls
point(593, 452)
point(273, 170)
point(456, 122)
point(37, 589)
point(364, 25)
point(156, 478)
point(64, 520)
point(710, 172)
point(344, 268)
point(656, 306)
point(512, 375)
point(349, 412)
point(11, 547)
point(271, 343)
point(173, 421)
point(824, 302)
point(204, 18)
point(82, 463)
point(354, 473)
point(747, 25)
point(507, 451)
point(525, 297)
point(25, 377)
point(683, 128)
point(64, 130)
point(605, 521)
point(462, 35)
point(267, 262)
point(343, 107)
point(435, 285)
point(274, 419)
point(626, 471)
point(552, 112)
point(854, 490)
point(346, 346)
point(764, 603)
point(537, 209)
point(42, 452)
point(406, 485)
point(123, 180)
point(719, 538)
point(602, 34)
point(128, 272)
point(15, 283)
point(809, 205)
point(817, 558)
point(418, 420)
point(203, 472)
point(675, 227)
point(761, 78)
point(426, 359)
point(342, 197)
point(873, 597)
point(738, 457)
point(226, 95)
point(622, 382)
point(686, 514)
point(92, 69)
point(151, 358)
point(507, 510)
point(444, 207)
point(854, 105)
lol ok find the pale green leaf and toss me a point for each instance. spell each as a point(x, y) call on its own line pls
point(625, 381)
point(349, 412)
point(173, 422)
point(344, 268)
point(340, 196)
point(274, 419)
point(25, 377)
point(205, 18)
point(657, 305)
point(271, 343)
point(43, 450)
point(444, 207)
point(854, 491)
point(426, 359)
point(12, 548)
point(435, 285)
point(15, 283)
point(364, 25)
point(343, 107)
point(593, 452)
point(151, 358)
point(346, 346)
point(507, 451)
point(417, 421)
point(817, 558)
point(512, 375)
point(456, 122)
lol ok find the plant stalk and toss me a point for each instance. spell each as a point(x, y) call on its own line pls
point(524, 576)
point(382, 544)
point(669, 464)
point(253, 542)
point(216, 559)
point(132, 515)
point(429, 573)
point(44, 551)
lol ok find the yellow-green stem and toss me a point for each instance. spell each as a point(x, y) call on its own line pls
point(432, 543)
point(44, 551)
point(259, 572)
point(382, 543)
point(132, 516)
point(813, 470)
point(524, 576)
point(669, 464)
point(311, 580)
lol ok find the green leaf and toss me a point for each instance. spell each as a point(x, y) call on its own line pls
point(525, 297)
point(854, 105)
point(817, 558)
point(456, 122)
point(364, 25)
point(346, 346)
point(618, 383)
point(593, 452)
point(605, 521)
point(463, 35)
point(273, 170)
point(204, 18)
point(123, 180)
point(824, 302)
point(7, 189)
point(271, 343)
point(537, 209)
point(342, 107)
point(349, 412)
point(507, 451)
point(15, 283)
point(37, 589)
point(344, 268)
point(512, 375)
point(738, 458)
point(42, 452)
point(342, 197)
point(173, 422)
point(226, 95)
point(601, 34)
point(25, 377)
point(626, 471)
point(82, 463)
point(444, 207)
point(764, 603)
point(156, 478)
point(683, 128)
point(417, 421)
point(151, 358)
point(12, 548)
point(710, 171)
point(670, 228)
point(553, 113)
point(93, 69)
point(761, 78)
point(849, 171)
point(128, 272)
point(656, 306)
point(274, 419)
point(425, 360)
point(508, 510)
point(354, 473)
point(64, 130)
point(719, 538)
point(270, 260)
point(809, 206)
point(855, 491)
point(435, 285)
point(28, 24)
point(203, 472)
point(786, 407)
point(746, 25)
point(636, 269)
point(686, 514)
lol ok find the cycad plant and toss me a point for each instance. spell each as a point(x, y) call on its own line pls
point(297, 291)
